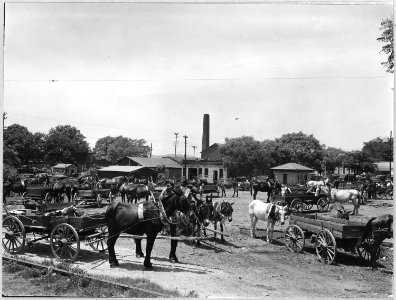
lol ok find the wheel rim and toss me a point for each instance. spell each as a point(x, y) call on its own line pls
point(63, 238)
point(101, 243)
point(48, 198)
point(297, 206)
point(364, 248)
point(14, 235)
point(323, 204)
point(308, 206)
point(294, 239)
point(325, 246)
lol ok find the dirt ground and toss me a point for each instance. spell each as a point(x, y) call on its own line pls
point(246, 267)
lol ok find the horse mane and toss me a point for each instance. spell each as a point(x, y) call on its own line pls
point(271, 214)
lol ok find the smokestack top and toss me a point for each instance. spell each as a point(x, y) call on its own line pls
point(205, 133)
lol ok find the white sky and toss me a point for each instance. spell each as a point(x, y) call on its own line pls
point(148, 70)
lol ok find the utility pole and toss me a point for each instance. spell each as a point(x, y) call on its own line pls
point(194, 149)
point(151, 150)
point(176, 134)
point(185, 156)
point(390, 155)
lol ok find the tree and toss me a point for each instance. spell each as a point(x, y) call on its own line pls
point(387, 38)
point(359, 161)
point(242, 155)
point(300, 148)
point(379, 149)
point(66, 144)
point(114, 148)
point(17, 141)
point(334, 157)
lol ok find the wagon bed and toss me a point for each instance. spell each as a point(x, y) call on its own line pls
point(298, 202)
point(38, 192)
point(64, 233)
point(327, 234)
point(95, 195)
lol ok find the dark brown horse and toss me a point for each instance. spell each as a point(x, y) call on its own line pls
point(262, 186)
point(135, 191)
point(146, 218)
point(112, 184)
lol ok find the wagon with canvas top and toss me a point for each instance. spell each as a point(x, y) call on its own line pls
point(94, 195)
point(39, 193)
point(327, 234)
point(62, 230)
point(298, 202)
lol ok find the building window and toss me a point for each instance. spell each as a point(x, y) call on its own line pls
point(200, 171)
point(221, 173)
point(206, 172)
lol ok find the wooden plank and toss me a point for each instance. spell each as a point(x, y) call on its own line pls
point(316, 228)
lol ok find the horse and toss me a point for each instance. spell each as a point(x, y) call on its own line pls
point(112, 184)
point(313, 183)
point(201, 213)
point(269, 212)
point(16, 186)
point(135, 191)
point(64, 187)
point(375, 228)
point(222, 211)
point(146, 218)
point(262, 186)
point(338, 211)
point(343, 196)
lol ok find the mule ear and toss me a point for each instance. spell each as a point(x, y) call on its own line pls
point(349, 212)
point(232, 203)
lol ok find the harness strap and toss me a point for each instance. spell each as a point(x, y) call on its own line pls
point(140, 212)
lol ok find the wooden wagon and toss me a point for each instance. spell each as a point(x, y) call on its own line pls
point(328, 234)
point(24, 227)
point(95, 195)
point(297, 202)
point(210, 189)
point(39, 193)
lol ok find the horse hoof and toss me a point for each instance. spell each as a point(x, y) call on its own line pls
point(148, 266)
point(139, 255)
point(173, 259)
point(113, 265)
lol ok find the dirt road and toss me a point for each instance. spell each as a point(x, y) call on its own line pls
point(246, 267)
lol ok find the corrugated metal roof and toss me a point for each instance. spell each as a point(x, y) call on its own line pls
point(62, 166)
point(153, 162)
point(293, 167)
point(383, 166)
point(121, 168)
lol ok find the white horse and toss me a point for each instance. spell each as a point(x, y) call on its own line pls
point(312, 183)
point(344, 196)
point(269, 212)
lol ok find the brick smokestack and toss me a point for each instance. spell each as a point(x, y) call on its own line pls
point(205, 133)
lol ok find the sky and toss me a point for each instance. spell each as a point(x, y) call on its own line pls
point(150, 70)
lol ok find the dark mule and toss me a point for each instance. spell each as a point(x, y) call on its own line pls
point(112, 184)
point(17, 186)
point(262, 186)
point(146, 218)
point(379, 228)
point(222, 211)
point(135, 191)
point(65, 187)
point(200, 218)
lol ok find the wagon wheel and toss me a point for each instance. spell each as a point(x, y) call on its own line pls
point(24, 196)
point(100, 243)
point(308, 205)
point(14, 235)
point(48, 197)
point(297, 206)
point(364, 248)
point(326, 246)
point(323, 204)
point(63, 237)
point(99, 200)
point(294, 238)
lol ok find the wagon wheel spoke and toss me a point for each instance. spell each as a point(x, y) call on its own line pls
point(63, 238)
point(14, 236)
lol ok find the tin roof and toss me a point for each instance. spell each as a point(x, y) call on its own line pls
point(292, 167)
point(153, 162)
point(62, 166)
point(121, 168)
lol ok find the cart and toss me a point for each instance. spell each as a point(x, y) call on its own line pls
point(210, 189)
point(95, 195)
point(328, 234)
point(39, 193)
point(297, 202)
point(25, 227)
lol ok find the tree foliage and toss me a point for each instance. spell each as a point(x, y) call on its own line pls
point(379, 149)
point(66, 144)
point(114, 148)
point(387, 38)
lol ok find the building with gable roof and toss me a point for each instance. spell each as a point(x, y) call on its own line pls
point(64, 169)
point(291, 173)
